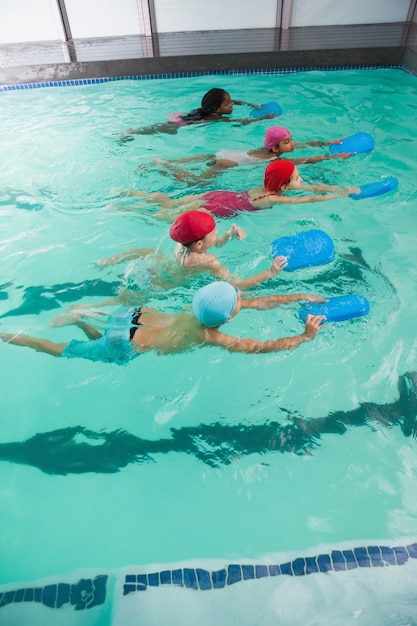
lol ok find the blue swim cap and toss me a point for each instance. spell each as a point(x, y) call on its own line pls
point(214, 303)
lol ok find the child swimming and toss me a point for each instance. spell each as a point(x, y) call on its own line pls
point(278, 141)
point(280, 176)
point(132, 331)
point(215, 104)
point(195, 232)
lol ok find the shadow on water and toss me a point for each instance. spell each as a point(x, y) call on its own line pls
point(39, 298)
point(77, 450)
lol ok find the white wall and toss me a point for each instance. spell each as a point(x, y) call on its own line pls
point(29, 20)
point(341, 12)
point(102, 18)
point(39, 20)
point(185, 15)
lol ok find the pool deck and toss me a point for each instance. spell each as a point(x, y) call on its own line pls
point(179, 53)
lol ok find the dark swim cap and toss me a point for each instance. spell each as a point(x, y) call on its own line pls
point(212, 100)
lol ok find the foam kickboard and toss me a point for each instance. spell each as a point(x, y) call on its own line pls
point(266, 109)
point(338, 308)
point(360, 142)
point(375, 189)
point(306, 249)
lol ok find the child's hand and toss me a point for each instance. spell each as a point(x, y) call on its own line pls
point(339, 140)
point(313, 325)
point(235, 232)
point(353, 190)
point(278, 264)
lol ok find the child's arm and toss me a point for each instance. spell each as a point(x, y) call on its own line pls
point(345, 191)
point(234, 232)
point(273, 199)
point(271, 302)
point(129, 255)
point(255, 346)
point(250, 120)
point(242, 103)
point(317, 143)
point(277, 265)
point(320, 157)
point(306, 199)
point(218, 270)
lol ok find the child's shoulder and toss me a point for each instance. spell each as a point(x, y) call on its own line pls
point(203, 258)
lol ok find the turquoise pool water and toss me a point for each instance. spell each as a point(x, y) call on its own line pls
point(204, 454)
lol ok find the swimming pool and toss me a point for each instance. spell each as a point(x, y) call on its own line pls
point(204, 455)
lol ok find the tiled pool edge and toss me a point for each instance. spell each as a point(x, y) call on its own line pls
point(139, 77)
point(92, 592)
point(204, 63)
point(336, 561)
point(85, 594)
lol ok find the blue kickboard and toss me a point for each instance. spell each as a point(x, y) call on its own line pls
point(360, 142)
point(266, 109)
point(375, 189)
point(306, 249)
point(338, 308)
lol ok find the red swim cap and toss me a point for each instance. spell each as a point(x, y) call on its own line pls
point(277, 174)
point(191, 226)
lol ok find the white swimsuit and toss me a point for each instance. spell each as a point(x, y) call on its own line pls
point(238, 156)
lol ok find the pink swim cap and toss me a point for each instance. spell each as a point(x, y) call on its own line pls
point(274, 135)
point(277, 174)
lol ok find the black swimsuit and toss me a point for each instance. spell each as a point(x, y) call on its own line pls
point(135, 322)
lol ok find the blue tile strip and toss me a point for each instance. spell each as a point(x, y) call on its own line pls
point(336, 561)
point(90, 592)
point(84, 594)
point(219, 579)
point(273, 70)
